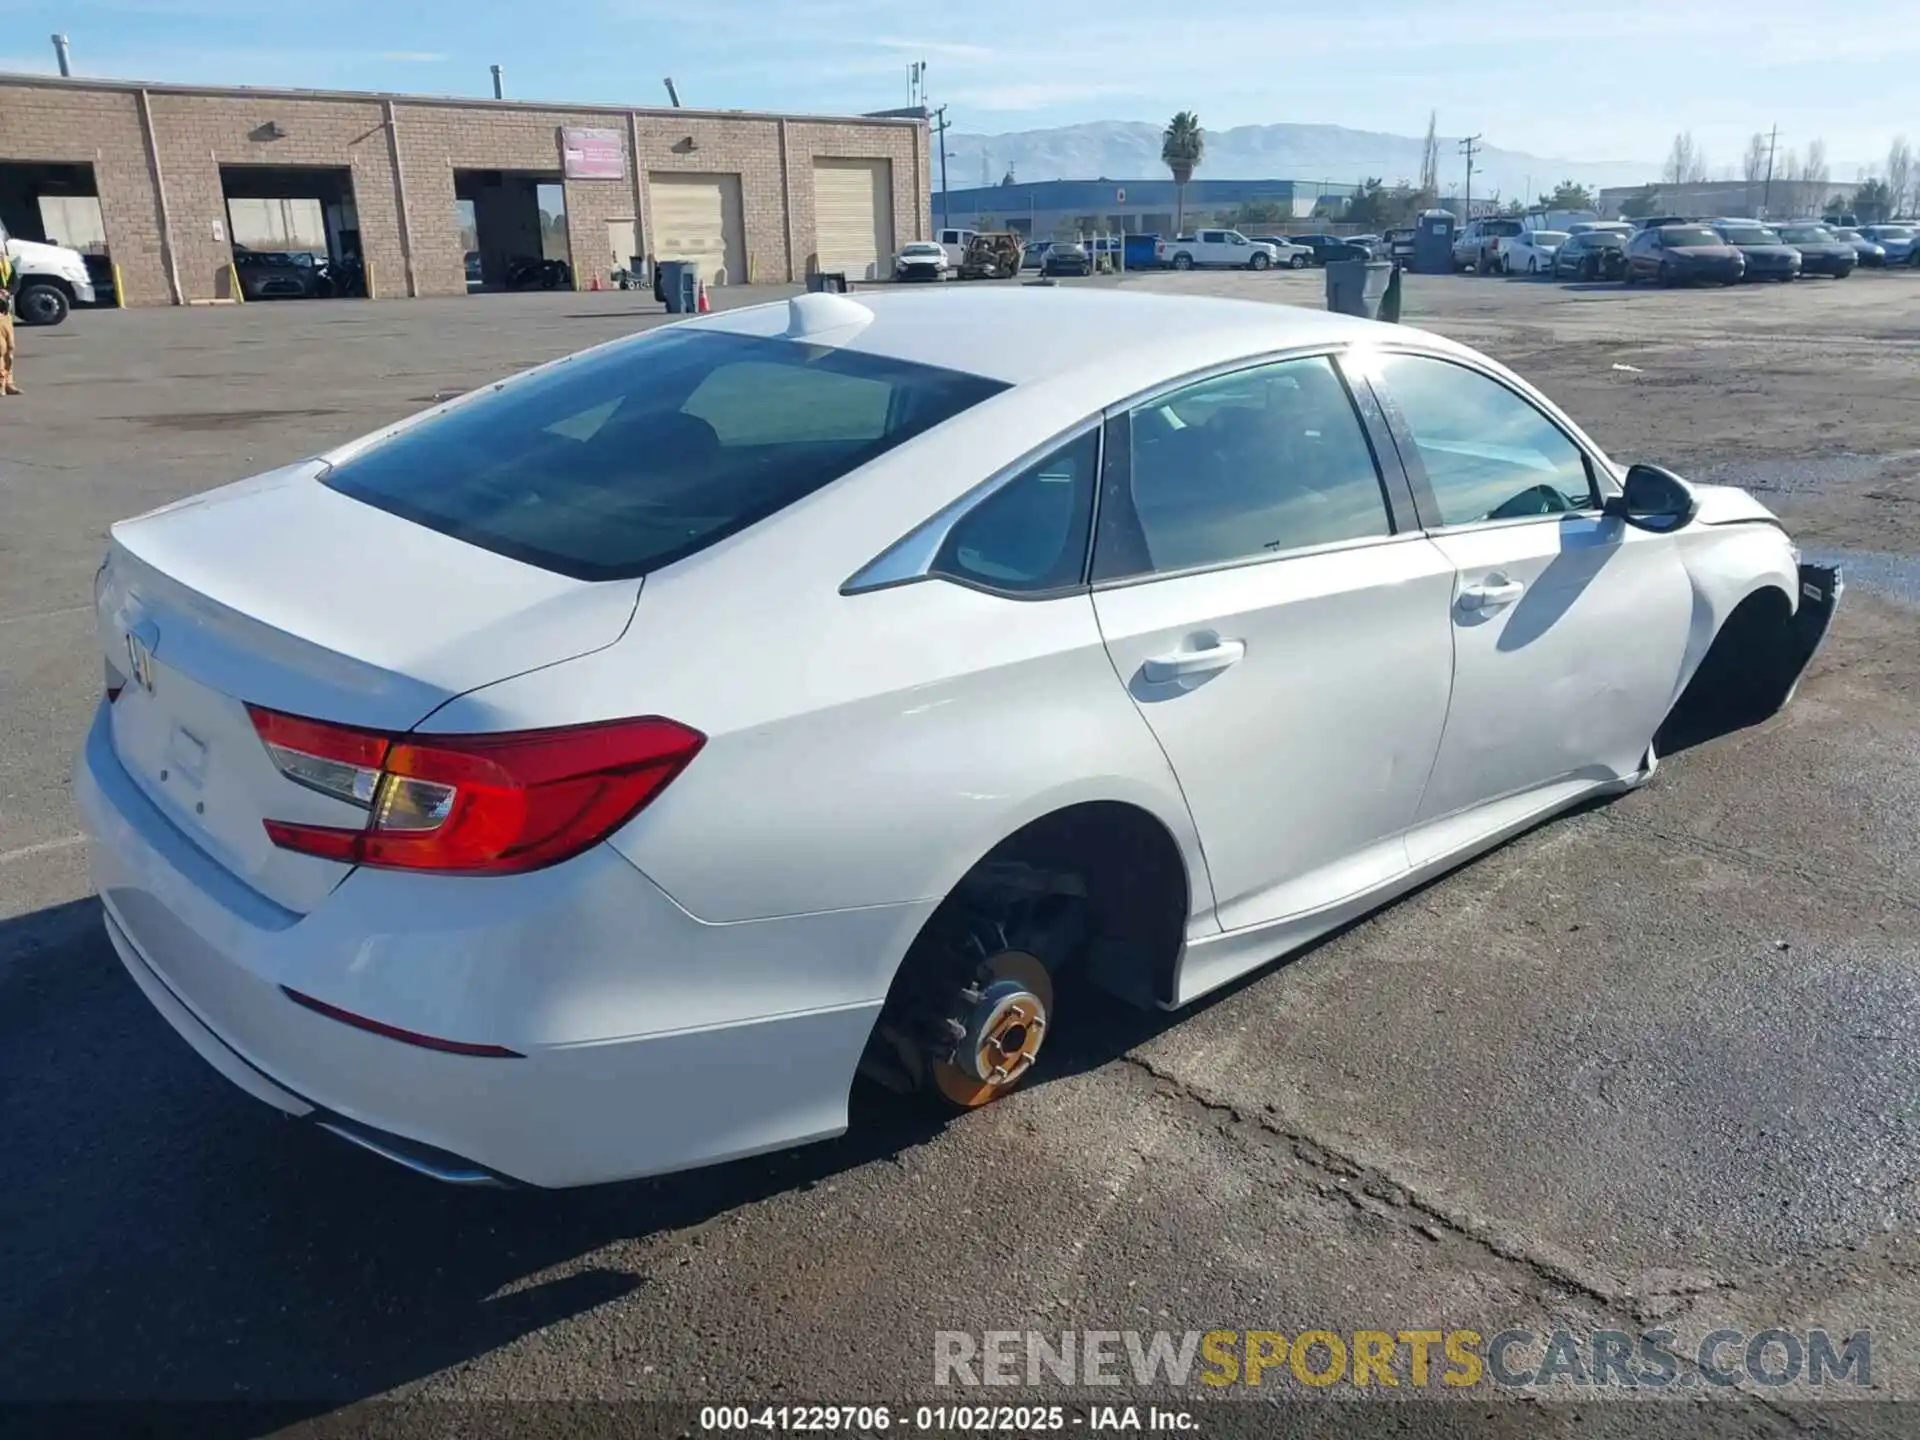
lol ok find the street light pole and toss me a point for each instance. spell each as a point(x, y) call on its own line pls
point(940, 138)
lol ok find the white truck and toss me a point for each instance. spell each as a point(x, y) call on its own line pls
point(52, 280)
point(1216, 247)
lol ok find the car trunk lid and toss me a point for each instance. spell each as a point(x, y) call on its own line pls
point(282, 593)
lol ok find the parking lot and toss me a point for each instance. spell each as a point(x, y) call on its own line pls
point(1651, 1063)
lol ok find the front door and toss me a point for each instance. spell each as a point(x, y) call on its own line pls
point(1289, 650)
point(1569, 627)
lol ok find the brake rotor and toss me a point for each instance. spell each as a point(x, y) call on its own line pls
point(1001, 1031)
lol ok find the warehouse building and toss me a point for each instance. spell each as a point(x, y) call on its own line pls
point(445, 196)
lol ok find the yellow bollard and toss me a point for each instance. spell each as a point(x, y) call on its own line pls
point(372, 294)
point(233, 284)
point(119, 290)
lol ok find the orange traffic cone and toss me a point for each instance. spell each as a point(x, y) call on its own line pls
point(705, 306)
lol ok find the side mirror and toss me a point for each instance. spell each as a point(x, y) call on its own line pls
point(1654, 498)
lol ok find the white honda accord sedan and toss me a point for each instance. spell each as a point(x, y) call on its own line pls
point(590, 776)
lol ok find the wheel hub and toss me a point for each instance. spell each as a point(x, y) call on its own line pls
point(1000, 1032)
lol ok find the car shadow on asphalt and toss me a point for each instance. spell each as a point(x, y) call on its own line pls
point(166, 1237)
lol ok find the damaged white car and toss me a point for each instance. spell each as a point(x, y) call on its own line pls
point(588, 777)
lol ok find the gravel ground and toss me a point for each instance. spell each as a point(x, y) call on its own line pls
point(1653, 1063)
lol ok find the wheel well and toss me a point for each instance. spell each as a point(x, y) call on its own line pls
point(1129, 868)
point(53, 282)
point(1737, 682)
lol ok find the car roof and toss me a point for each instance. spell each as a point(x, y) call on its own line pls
point(1021, 334)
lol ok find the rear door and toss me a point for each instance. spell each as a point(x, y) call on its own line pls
point(1279, 625)
point(1569, 627)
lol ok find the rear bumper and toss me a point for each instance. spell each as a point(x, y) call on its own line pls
point(646, 1041)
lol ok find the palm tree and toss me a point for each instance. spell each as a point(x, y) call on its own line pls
point(1181, 147)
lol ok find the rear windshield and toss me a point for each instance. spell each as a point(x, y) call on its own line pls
point(1749, 235)
point(1500, 227)
point(1684, 235)
point(626, 459)
point(1549, 238)
point(1602, 239)
point(1891, 232)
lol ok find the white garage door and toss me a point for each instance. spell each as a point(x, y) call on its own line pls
point(853, 217)
point(697, 217)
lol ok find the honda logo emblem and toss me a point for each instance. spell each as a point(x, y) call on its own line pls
point(142, 641)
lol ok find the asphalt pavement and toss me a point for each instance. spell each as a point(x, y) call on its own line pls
point(1650, 1064)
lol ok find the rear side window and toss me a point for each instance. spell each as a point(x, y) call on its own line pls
point(626, 459)
point(1030, 535)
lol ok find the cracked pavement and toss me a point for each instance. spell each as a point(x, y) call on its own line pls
point(1651, 1064)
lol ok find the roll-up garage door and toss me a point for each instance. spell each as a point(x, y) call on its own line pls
point(697, 217)
point(853, 217)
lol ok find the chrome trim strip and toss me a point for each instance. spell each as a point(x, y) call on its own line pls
point(448, 1174)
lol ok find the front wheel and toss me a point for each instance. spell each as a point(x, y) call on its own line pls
point(1667, 277)
point(1259, 261)
point(1533, 266)
point(41, 304)
point(1183, 261)
point(1298, 262)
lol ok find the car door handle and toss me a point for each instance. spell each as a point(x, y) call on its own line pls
point(1161, 668)
point(1491, 596)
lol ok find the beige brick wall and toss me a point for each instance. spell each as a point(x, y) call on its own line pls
point(198, 131)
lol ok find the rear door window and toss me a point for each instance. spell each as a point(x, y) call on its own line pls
point(623, 460)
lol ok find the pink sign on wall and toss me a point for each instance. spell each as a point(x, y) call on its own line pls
point(593, 154)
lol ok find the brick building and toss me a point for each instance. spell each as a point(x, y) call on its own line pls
point(436, 195)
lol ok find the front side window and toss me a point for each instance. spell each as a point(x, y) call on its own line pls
point(1242, 466)
point(1488, 453)
point(623, 460)
point(1030, 535)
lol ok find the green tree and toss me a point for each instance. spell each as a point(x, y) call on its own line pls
point(1365, 205)
point(1636, 207)
point(1182, 147)
point(1873, 201)
point(1569, 195)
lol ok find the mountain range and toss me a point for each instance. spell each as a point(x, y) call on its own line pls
point(1130, 150)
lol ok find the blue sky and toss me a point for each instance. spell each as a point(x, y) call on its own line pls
point(1615, 83)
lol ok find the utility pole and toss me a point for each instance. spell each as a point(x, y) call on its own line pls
point(939, 129)
point(1467, 148)
point(1766, 193)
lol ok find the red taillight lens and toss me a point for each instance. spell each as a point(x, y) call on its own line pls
point(474, 804)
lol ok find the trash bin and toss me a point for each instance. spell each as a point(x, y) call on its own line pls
point(680, 286)
point(1356, 287)
point(827, 282)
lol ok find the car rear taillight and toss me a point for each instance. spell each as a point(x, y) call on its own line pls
point(472, 804)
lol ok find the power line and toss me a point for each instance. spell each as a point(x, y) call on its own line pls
point(1469, 147)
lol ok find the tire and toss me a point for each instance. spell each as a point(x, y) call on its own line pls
point(1298, 262)
point(39, 303)
point(1667, 277)
point(1183, 261)
point(1259, 261)
point(1533, 265)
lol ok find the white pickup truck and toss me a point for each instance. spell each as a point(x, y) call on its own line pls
point(1216, 247)
point(52, 280)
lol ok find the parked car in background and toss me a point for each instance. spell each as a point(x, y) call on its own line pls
point(1866, 251)
point(1654, 222)
point(765, 700)
point(1035, 254)
point(276, 274)
point(1227, 249)
point(1371, 243)
point(1067, 257)
point(1768, 257)
point(1679, 254)
point(1399, 245)
point(1294, 257)
point(1821, 252)
point(1599, 253)
point(922, 260)
point(1482, 245)
point(954, 242)
point(1532, 253)
point(1331, 247)
point(52, 280)
point(1897, 240)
